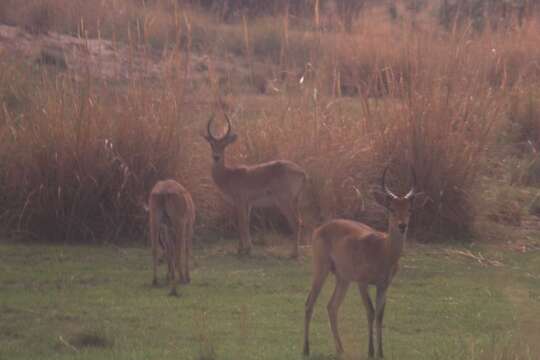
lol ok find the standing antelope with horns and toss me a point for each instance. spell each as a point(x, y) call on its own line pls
point(276, 183)
point(354, 252)
point(172, 214)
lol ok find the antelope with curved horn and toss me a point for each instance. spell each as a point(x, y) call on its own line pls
point(354, 252)
point(276, 183)
point(172, 214)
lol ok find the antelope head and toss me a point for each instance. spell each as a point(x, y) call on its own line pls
point(218, 145)
point(399, 207)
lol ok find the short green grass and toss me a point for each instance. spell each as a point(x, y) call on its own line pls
point(81, 302)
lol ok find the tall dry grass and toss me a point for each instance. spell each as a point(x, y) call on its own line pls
point(79, 156)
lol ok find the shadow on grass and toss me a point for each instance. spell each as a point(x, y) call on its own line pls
point(90, 338)
point(325, 357)
point(84, 339)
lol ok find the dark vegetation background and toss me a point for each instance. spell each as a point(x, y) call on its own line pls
point(99, 100)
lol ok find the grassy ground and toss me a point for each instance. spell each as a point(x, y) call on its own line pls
point(80, 302)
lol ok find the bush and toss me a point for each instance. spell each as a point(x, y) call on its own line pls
point(532, 175)
point(524, 120)
point(535, 206)
point(479, 13)
point(506, 208)
point(78, 164)
point(82, 157)
point(79, 156)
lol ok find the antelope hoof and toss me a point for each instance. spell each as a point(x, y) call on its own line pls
point(173, 292)
point(185, 281)
point(306, 350)
point(154, 282)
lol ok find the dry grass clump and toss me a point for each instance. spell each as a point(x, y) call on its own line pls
point(522, 134)
point(439, 127)
point(42, 16)
point(532, 172)
point(507, 208)
point(157, 23)
point(534, 208)
point(524, 123)
point(444, 137)
point(368, 61)
point(80, 156)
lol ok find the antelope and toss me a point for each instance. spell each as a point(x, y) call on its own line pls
point(172, 214)
point(275, 183)
point(354, 252)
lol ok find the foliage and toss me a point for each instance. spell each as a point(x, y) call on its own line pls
point(80, 302)
point(80, 154)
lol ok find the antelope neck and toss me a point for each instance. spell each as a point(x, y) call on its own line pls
point(219, 165)
point(218, 170)
point(396, 240)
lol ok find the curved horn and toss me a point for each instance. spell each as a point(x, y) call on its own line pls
point(210, 121)
point(411, 192)
point(229, 125)
point(383, 184)
point(209, 125)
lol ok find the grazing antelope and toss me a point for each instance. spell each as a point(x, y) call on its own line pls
point(354, 252)
point(275, 183)
point(172, 215)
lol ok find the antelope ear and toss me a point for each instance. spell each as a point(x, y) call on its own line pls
point(420, 200)
point(381, 198)
point(204, 135)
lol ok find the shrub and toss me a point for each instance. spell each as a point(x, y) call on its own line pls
point(80, 156)
point(506, 208)
point(524, 120)
point(535, 206)
point(532, 175)
point(81, 160)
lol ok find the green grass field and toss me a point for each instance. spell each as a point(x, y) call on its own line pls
point(80, 302)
